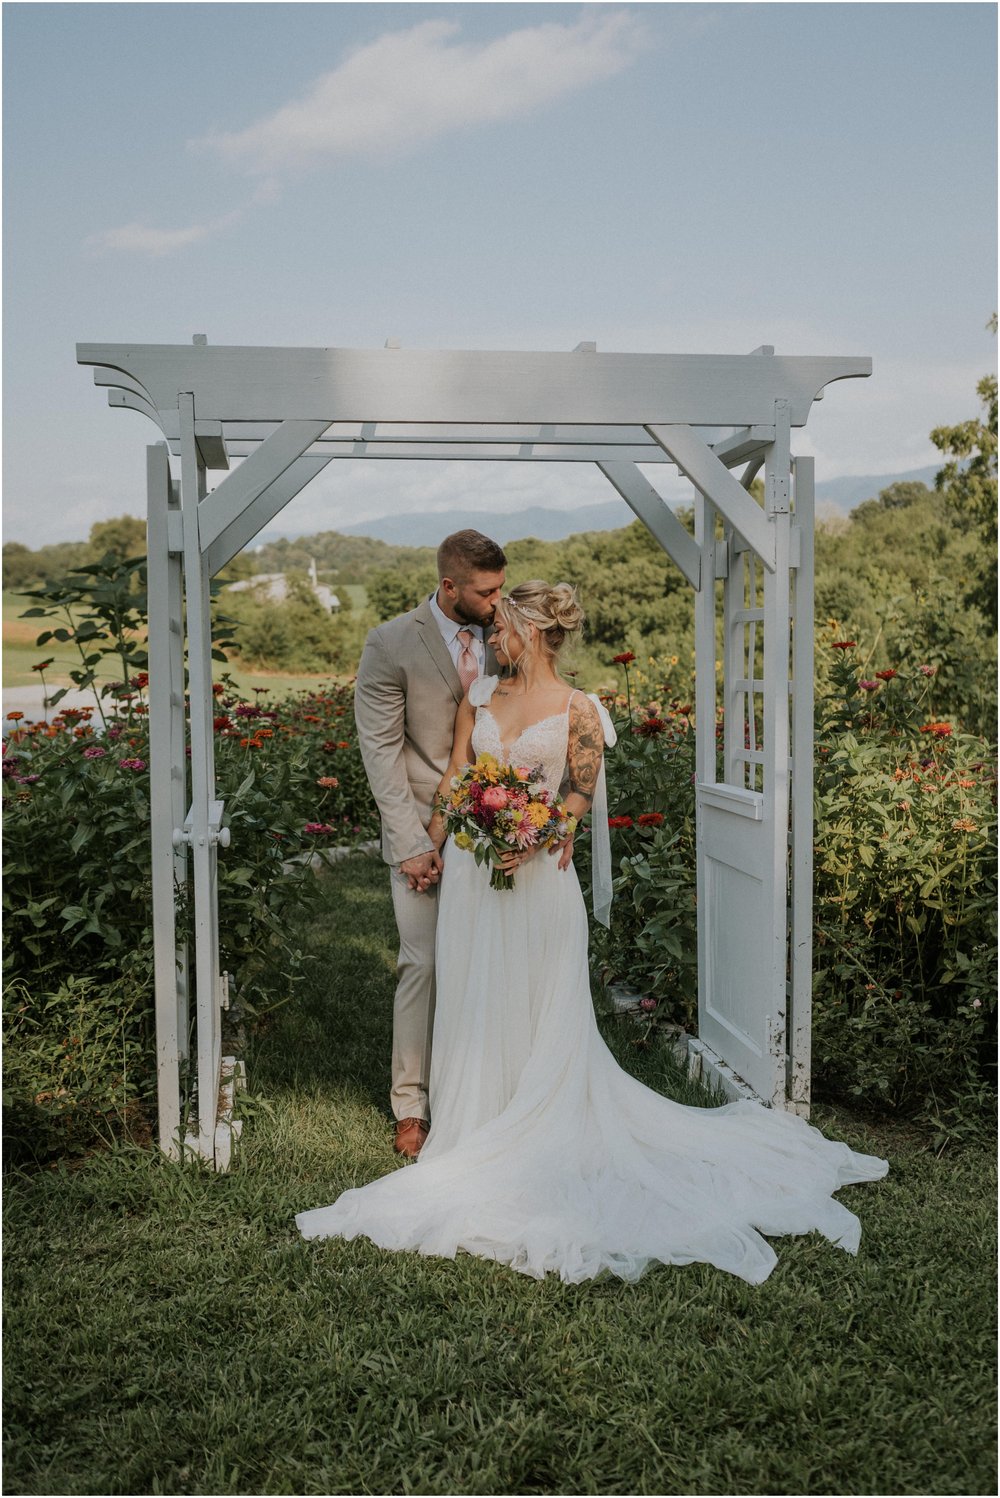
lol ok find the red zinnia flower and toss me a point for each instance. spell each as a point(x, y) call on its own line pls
point(886, 675)
point(619, 821)
point(651, 819)
point(649, 728)
point(844, 644)
point(624, 659)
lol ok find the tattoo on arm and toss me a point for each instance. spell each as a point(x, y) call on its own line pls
point(586, 749)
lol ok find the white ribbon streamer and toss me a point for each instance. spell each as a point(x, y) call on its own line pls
point(600, 836)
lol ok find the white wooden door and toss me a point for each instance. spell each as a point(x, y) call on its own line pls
point(742, 798)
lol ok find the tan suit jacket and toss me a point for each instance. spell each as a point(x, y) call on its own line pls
point(406, 697)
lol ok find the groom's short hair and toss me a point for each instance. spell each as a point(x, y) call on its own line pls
point(466, 552)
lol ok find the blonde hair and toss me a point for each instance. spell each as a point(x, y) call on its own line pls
point(554, 610)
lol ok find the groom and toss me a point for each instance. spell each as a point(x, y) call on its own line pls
point(414, 672)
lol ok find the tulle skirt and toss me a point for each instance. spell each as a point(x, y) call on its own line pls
point(543, 1154)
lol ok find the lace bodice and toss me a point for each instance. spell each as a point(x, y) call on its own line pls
point(540, 744)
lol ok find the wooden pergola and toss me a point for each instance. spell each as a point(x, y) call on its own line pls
point(268, 420)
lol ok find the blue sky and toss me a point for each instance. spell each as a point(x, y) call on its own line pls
point(676, 178)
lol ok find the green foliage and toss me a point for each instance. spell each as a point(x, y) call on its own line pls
point(904, 992)
point(898, 569)
point(343, 560)
point(905, 902)
point(77, 887)
point(76, 1064)
point(969, 484)
point(122, 538)
point(77, 891)
point(101, 610)
point(297, 634)
point(392, 591)
point(653, 940)
point(24, 568)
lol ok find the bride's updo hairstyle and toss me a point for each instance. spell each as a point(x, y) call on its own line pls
point(554, 610)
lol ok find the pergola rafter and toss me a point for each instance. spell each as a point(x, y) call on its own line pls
point(270, 419)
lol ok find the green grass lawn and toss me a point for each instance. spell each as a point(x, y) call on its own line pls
point(168, 1331)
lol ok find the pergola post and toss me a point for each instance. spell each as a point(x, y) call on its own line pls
point(167, 790)
point(203, 823)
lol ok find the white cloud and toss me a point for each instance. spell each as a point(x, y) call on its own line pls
point(409, 87)
point(144, 240)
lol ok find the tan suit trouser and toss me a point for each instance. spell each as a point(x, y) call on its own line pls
point(413, 1007)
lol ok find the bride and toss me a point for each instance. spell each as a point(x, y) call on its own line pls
point(543, 1154)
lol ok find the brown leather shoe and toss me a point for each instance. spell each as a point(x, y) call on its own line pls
point(410, 1135)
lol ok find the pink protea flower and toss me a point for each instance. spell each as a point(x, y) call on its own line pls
point(495, 798)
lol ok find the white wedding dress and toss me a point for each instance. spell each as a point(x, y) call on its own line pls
point(545, 1155)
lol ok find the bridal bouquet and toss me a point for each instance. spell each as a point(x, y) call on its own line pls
point(493, 809)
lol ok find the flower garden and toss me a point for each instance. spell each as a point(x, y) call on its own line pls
point(905, 887)
point(78, 896)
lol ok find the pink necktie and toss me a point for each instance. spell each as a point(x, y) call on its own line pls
point(468, 666)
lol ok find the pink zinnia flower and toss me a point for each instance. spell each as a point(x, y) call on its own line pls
point(868, 686)
point(132, 764)
point(94, 752)
point(927, 670)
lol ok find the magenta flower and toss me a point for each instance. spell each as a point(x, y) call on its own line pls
point(132, 764)
point(648, 1005)
point(94, 752)
point(868, 686)
point(927, 670)
point(318, 829)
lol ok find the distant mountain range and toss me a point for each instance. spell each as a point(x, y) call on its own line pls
point(426, 529)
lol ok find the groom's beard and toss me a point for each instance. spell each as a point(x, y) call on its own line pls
point(484, 621)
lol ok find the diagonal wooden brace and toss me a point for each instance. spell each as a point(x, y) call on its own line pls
point(228, 501)
point(651, 508)
point(711, 478)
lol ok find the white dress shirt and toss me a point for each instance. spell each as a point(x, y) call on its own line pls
point(449, 632)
